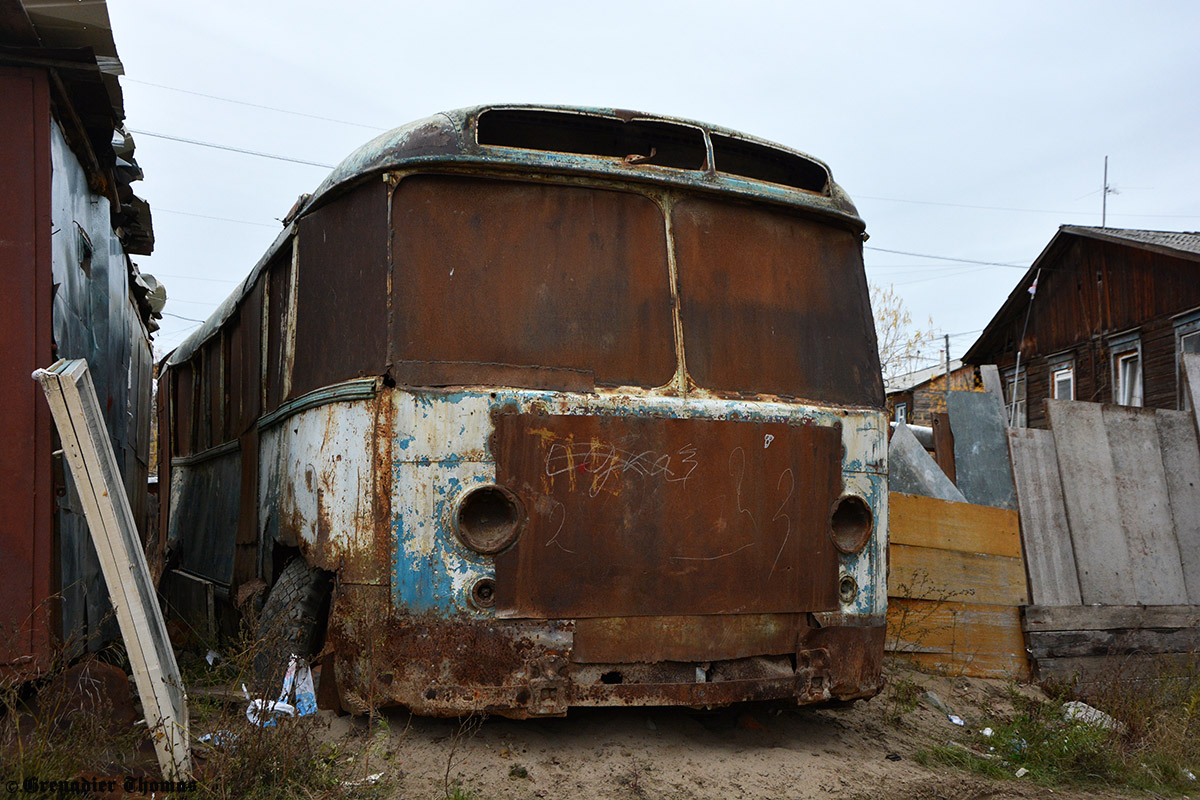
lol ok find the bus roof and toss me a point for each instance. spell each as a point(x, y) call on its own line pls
point(608, 143)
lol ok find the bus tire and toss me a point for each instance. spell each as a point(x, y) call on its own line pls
point(292, 621)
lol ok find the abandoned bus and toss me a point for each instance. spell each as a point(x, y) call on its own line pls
point(546, 407)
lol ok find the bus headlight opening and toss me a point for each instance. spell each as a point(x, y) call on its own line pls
point(850, 523)
point(489, 519)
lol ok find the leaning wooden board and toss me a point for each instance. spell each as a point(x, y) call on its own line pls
point(956, 582)
point(88, 450)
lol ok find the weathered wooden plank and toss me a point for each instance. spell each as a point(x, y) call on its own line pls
point(1049, 558)
point(929, 522)
point(981, 665)
point(943, 444)
point(1098, 671)
point(1101, 555)
point(1145, 507)
point(928, 573)
point(1181, 461)
point(1123, 641)
point(1094, 618)
point(912, 471)
point(983, 472)
point(929, 626)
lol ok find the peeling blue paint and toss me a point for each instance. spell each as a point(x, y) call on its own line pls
point(428, 582)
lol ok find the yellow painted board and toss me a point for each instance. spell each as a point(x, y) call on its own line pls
point(980, 666)
point(954, 629)
point(929, 522)
point(930, 573)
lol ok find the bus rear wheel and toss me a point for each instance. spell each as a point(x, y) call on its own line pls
point(292, 621)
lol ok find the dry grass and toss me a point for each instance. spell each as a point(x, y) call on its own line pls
point(1154, 748)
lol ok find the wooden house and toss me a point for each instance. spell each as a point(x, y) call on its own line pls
point(915, 397)
point(1102, 315)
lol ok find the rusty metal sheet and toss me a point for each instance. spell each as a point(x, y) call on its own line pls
point(184, 395)
point(473, 373)
point(686, 638)
point(527, 274)
point(278, 284)
point(245, 364)
point(214, 393)
point(448, 666)
point(774, 302)
point(342, 292)
point(855, 656)
point(637, 516)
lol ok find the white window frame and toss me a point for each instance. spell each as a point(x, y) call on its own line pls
point(900, 413)
point(1057, 376)
point(1122, 349)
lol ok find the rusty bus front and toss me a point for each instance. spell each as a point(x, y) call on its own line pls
point(576, 407)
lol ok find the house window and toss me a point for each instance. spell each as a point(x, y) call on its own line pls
point(901, 412)
point(1187, 340)
point(1062, 383)
point(1126, 369)
point(1014, 397)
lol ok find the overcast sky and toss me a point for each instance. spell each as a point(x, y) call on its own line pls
point(963, 130)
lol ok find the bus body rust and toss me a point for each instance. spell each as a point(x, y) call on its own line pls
point(566, 429)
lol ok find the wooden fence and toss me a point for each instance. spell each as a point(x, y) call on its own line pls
point(1110, 514)
point(956, 584)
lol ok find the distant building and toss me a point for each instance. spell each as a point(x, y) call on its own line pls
point(1102, 315)
point(913, 398)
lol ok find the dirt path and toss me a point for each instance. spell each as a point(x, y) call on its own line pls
point(762, 751)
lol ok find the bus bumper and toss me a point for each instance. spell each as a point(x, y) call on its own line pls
point(437, 666)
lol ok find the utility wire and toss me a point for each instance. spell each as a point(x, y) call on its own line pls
point(252, 105)
point(947, 258)
point(177, 316)
point(158, 209)
point(158, 274)
point(1010, 208)
point(216, 146)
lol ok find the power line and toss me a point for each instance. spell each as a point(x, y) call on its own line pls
point(946, 258)
point(157, 209)
point(1025, 210)
point(158, 274)
point(231, 149)
point(178, 316)
point(253, 105)
point(205, 303)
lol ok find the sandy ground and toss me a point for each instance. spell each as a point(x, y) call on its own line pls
point(759, 751)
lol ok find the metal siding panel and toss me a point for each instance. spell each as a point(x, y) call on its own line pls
point(982, 466)
point(1049, 558)
point(1181, 463)
point(1101, 553)
point(1141, 490)
point(628, 515)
